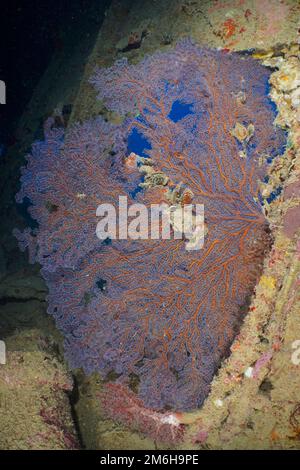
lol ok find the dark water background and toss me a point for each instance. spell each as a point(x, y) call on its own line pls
point(31, 31)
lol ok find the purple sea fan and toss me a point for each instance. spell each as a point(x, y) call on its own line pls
point(63, 179)
point(156, 317)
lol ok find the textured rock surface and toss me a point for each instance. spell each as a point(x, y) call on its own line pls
point(35, 409)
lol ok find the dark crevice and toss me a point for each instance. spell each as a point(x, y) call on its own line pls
point(15, 300)
point(73, 399)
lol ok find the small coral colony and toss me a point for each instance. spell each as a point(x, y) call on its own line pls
point(153, 318)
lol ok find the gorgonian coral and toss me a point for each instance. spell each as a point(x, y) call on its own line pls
point(149, 314)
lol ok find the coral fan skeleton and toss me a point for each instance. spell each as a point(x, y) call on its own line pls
point(148, 314)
